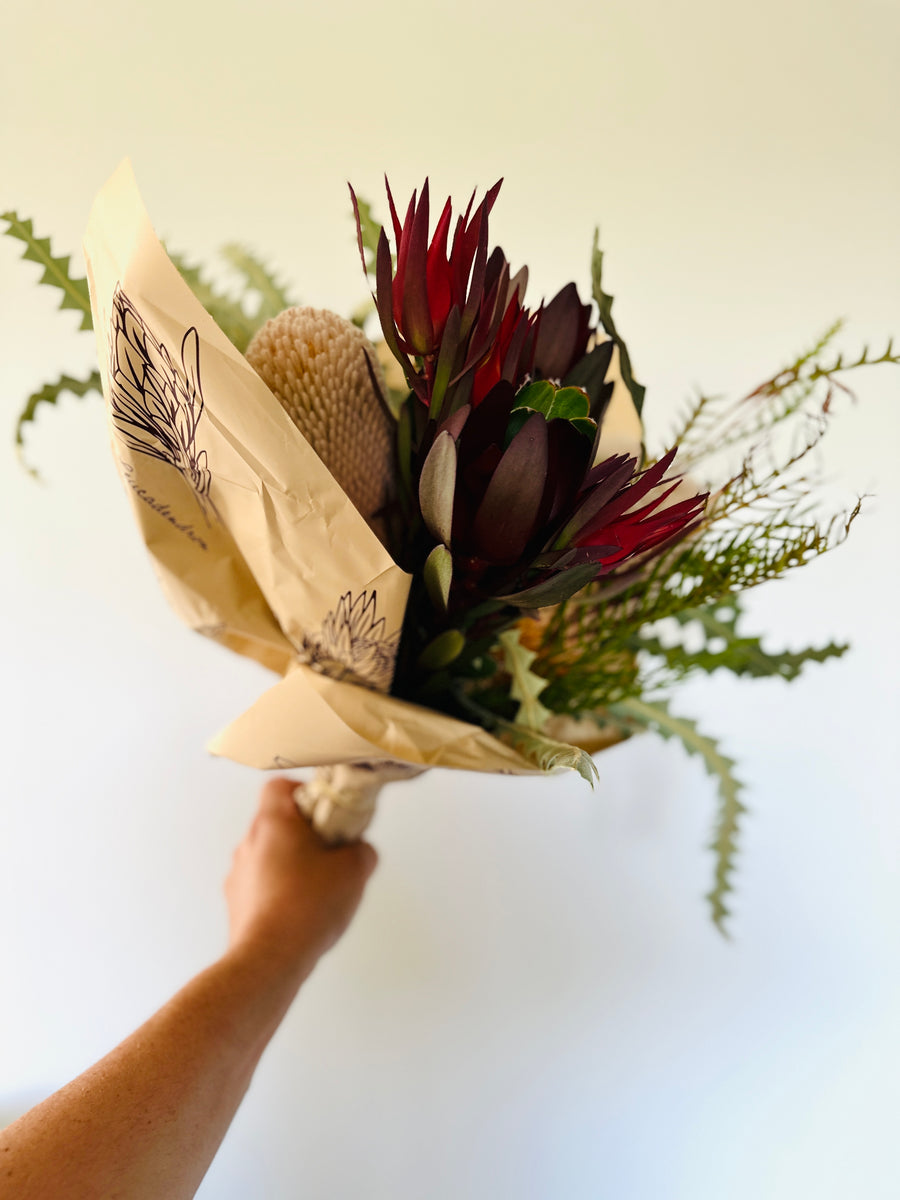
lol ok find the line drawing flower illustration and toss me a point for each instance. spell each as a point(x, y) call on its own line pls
point(353, 643)
point(156, 402)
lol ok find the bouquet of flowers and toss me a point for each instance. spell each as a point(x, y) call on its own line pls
point(451, 540)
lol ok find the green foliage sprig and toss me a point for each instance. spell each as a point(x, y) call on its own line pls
point(266, 297)
point(56, 274)
point(604, 307)
point(525, 685)
point(258, 279)
point(724, 648)
point(656, 716)
point(50, 394)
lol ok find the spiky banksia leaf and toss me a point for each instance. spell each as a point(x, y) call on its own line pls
point(547, 753)
point(227, 313)
point(737, 653)
point(656, 716)
point(49, 394)
point(526, 686)
point(56, 270)
point(324, 373)
point(273, 299)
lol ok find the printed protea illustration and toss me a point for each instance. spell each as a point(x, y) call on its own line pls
point(354, 643)
point(156, 402)
point(326, 376)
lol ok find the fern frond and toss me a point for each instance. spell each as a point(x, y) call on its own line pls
point(826, 372)
point(656, 716)
point(821, 343)
point(273, 299)
point(49, 394)
point(692, 417)
point(75, 293)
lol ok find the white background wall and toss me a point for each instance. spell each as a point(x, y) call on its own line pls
point(546, 1014)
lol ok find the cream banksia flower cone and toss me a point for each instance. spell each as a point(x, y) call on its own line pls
point(325, 374)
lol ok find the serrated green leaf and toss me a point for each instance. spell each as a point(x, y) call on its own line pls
point(604, 305)
point(739, 654)
point(547, 753)
point(656, 716)
point(258, 278)
point(49, 394)
point(526, 686)
point(227, 313)
point(75, 294)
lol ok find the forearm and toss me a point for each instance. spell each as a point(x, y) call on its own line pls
point(147, 1120)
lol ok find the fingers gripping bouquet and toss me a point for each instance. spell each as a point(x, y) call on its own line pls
point(451, 545)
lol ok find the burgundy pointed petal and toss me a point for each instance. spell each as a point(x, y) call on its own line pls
point(383, 295)
point(359, 241)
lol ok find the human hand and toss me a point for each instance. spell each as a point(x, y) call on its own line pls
point(290, 894)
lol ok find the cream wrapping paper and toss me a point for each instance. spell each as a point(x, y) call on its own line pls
point(254, 542)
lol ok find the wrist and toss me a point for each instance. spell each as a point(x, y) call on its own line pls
point(266, 958)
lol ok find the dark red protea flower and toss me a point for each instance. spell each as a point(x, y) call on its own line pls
point(455, 318)
point(509, 491)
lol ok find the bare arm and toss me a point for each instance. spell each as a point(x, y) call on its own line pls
point(147, 1120)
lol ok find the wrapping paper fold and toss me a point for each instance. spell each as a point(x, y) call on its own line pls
point(254, 542)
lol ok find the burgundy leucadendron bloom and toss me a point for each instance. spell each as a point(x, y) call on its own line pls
point(505, 466)
point(455, 317)
point(510, 489)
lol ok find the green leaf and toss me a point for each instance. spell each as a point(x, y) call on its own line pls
point(438, 575)
point(739, 654)
point(49, 394)
point(547, 753)
point(554, 590)
point(537, 396)
point(56, 270)
point(273, 298)
point(604, 304)
point(526, 686)
point(566, 404)
point(442, 650)
point(227, 313)
point(656, 716)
